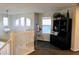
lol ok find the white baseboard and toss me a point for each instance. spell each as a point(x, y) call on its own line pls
point(44, 40)
point(29, 52)
point(74, 49)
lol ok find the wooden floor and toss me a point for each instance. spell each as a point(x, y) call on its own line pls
point(45, 48)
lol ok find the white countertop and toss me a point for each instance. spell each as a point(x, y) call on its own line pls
point(54, 33)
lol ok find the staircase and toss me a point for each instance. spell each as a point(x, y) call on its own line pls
point(5, 48)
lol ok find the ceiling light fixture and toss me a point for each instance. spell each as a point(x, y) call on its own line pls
point(7, 13)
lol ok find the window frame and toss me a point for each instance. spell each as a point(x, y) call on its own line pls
point(26, 22)
point(5, 22)
point(22, 21)
point(46, 24)
point(17, 20)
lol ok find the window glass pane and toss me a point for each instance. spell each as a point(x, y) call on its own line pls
point(17, 22)
point(46, 24)
point(28, 22)
point(22, 21)
point(5, 21)
point(46, 29)
point(46, 21)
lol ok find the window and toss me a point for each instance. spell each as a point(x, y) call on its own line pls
point(22, 20)
point(28, 22)
point(46, 24)
point(17, 22)
point(5, 21)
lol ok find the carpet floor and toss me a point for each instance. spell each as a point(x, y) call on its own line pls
point(45, 48)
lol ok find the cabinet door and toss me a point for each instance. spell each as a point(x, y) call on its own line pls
point(51, 39)
point(56, 25)
point(63, 25)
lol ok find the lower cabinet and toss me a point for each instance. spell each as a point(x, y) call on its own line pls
point(62, 43)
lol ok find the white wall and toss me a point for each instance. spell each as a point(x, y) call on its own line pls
point(22, 28)
point(12, 19)
point(75, 30)
point(64, 11)
point(3, 36)
point(44, 37)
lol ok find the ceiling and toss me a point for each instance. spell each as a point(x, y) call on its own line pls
point(15, 8)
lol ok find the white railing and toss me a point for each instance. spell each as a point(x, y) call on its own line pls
point(20, 43)
point(5, 50)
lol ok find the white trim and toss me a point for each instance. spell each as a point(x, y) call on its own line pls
point(74, 49)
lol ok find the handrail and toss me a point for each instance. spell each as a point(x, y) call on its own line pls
point(5, 45)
